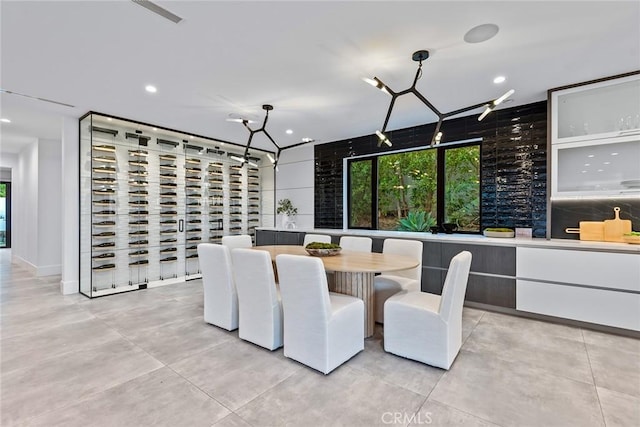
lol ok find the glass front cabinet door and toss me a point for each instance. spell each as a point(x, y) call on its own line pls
point(595, 139)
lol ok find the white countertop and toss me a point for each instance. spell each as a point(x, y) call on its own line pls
point(476, 239)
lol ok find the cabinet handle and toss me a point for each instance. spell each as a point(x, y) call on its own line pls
point(181, 225)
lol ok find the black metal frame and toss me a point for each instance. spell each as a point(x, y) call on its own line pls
point(440, 184)
point(7, 236)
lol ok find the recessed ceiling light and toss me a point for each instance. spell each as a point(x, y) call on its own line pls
point(587, 164)
point(606, 163)
point(584, 171)
point(600, 170)
point(591, 156)
point(307, 140)
point(614, 154)
point(5, 120)
point(289, 131)
point(481, 33)
point(150, 88)
point(499, 79)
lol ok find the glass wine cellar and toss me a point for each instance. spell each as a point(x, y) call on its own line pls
point(149, 196)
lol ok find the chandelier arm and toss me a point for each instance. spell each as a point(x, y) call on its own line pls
point(435, 133)
point(463, 110)
point(427, 103)
point(271, 139)
point(246, 150)
point(386, 120)
point(246, 124)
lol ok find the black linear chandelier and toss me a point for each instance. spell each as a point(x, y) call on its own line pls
point(246, 159)
point(420, 56)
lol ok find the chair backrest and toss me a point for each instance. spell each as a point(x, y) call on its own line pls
point(254, 278)
point(357, 244)
point(304, 292)
point(322, 238)
point(409, 248)
point(259, 310)
point(455, 286)
point(220, 294)
point(242, 241)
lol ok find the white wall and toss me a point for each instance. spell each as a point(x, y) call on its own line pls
point(25, 207)
point(69, 282)
point(295, 181)
point(49, 207)
point(36, 232)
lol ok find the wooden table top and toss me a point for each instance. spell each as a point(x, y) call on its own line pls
point(349, 261)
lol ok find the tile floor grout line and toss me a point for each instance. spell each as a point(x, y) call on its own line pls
point(593, 377)
point(468, 413)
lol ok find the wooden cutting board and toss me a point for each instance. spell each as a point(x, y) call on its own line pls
point(589, 230)
point(615, 228)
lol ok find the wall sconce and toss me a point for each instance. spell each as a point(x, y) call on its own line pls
point(420, 56)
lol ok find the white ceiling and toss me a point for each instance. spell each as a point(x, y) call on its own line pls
point(306, 58)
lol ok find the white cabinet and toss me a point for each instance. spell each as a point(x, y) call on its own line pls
point(597, 167)
point(589, 286)
point(595, 139)
point(610, 108)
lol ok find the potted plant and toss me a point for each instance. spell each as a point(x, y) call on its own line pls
point(288, 212)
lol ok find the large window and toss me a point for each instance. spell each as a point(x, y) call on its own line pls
point(415, 190)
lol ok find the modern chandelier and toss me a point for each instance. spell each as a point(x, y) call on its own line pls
point(420, 56)
point(245, 158)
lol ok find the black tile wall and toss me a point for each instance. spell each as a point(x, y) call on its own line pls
point(514, 165)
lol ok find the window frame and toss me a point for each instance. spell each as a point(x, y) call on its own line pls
point(440, 181)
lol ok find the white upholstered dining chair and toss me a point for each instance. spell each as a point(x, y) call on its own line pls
point(392, 282)
point(428, 327)
point(321, 329)
point(355, 243)
point(241, 241)
point(220, 296)
point(259, 305)
point(322, 238)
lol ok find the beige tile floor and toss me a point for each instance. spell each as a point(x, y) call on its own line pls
point(147, 358)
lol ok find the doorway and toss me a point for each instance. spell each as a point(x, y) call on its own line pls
point(5, 214)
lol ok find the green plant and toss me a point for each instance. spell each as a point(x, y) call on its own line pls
point(633, 233)
point(286, 207)
point(416, 221)
point(320, 245)
point(499, 229)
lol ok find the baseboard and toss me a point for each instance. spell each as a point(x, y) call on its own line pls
point(15, 259)
point(68, 287)
point(49, 270)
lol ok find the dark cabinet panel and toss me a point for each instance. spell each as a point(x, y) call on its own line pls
point(431, 254)
point(499, 291)
point(486, 259)
point(290, 238)
point(432, 280)
point(266, 237)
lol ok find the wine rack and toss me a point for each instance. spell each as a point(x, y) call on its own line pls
point(148, 200)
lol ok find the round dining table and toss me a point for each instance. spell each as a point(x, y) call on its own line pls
point(354, 273)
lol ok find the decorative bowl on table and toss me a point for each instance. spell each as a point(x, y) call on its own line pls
point(322, 249)
point(633, 238)
point(498, 232)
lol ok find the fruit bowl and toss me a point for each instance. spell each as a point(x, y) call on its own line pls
point(322, 249)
